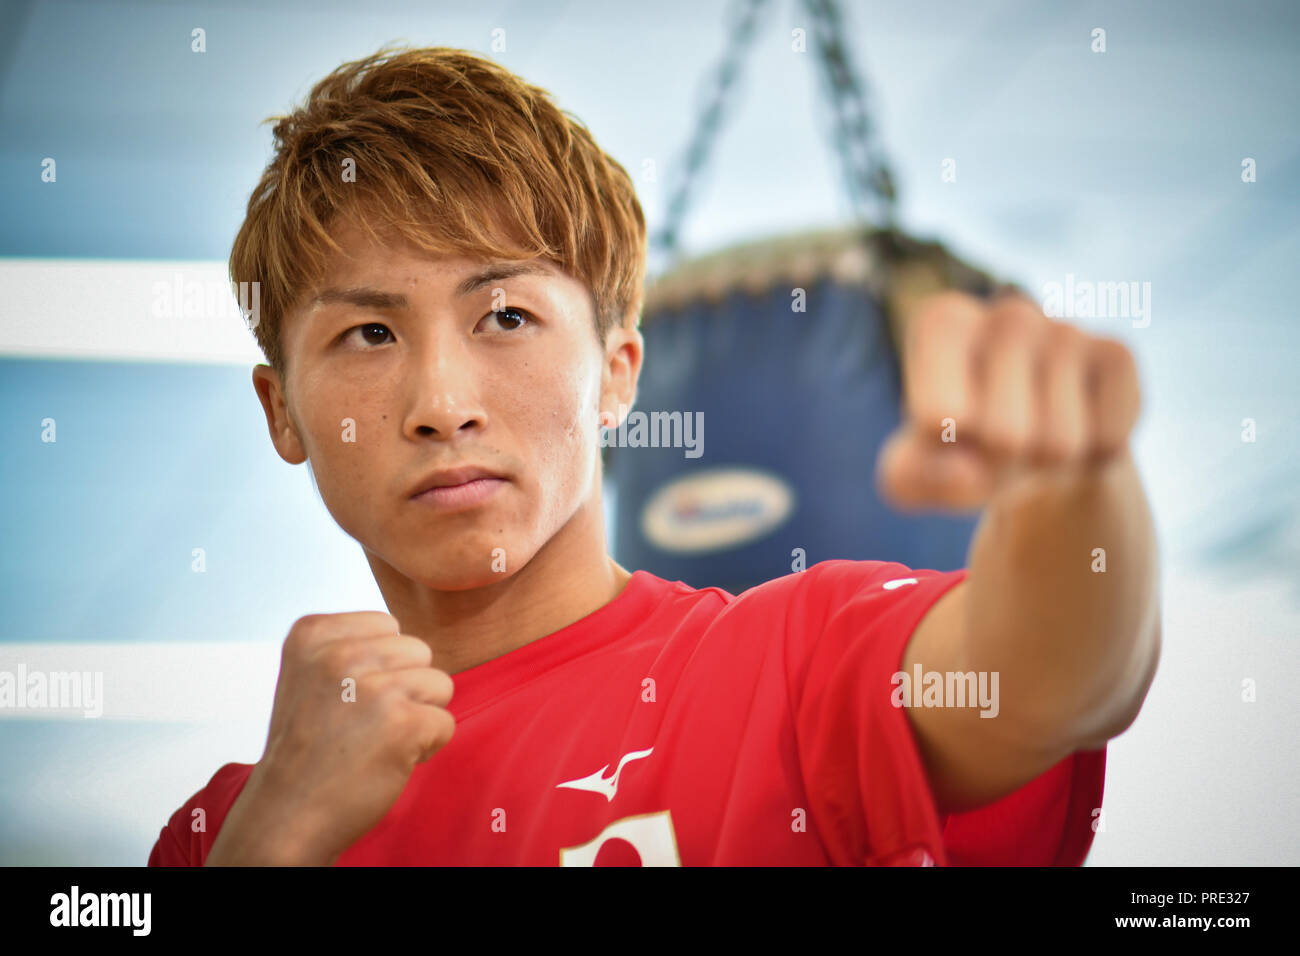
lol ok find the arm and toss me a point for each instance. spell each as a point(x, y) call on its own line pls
point(1037, 423)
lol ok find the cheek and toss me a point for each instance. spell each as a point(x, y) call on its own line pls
point(340, 427)
point(579, 417)
point(561, 424)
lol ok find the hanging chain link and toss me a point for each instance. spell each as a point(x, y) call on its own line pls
point(866, 174)
point(709, 122)
point(867, 178)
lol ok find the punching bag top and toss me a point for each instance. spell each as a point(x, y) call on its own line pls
point(895, 269)
point(758, 266)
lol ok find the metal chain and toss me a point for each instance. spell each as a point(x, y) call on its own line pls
point(707, 125)
point(866, 173)
point(867, 177)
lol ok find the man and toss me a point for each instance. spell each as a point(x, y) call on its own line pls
point(451, 274)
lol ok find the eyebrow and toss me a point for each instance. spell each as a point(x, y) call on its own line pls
point(368, 298)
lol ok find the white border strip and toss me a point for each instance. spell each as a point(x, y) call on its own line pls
point(184, 681)
point(174, 311)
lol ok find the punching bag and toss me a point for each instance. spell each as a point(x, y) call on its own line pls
point(770, 380)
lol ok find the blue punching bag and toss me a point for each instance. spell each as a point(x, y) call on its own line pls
point(770, 380)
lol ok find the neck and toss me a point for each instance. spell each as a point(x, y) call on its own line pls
point(571, 576)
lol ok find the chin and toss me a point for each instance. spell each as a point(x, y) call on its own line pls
point(458, 579)
point(465, 566)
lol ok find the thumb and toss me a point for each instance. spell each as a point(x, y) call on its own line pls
point(914, 472)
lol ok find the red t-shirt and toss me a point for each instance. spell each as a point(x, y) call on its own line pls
point(684, 726)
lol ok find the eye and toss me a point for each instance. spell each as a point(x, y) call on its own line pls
point(507, 318)
point(376, 329)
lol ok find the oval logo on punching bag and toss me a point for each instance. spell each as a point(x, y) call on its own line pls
point(716, 509)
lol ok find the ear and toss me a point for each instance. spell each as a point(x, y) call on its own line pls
point(624, 349)
point(284, 434)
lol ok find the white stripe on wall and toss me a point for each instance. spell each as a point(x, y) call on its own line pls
point(184, 681)
point(123, 309)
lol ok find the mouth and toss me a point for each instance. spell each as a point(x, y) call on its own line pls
point(457, 489)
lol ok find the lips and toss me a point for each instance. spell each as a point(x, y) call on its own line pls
point(449, 477)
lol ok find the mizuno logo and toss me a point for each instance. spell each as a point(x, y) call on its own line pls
point(598, 783)
point(897, 583)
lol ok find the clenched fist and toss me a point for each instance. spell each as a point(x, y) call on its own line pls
point(356, 708)
point(996, 390)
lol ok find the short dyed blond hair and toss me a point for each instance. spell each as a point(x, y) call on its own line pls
point(445, 145)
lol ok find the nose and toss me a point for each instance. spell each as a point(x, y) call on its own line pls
point(444, 394)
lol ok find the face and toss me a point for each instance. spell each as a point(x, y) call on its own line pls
point(401, 364)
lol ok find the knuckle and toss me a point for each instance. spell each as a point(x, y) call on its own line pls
point(1006, 434)
point(1058, 446)
point(384, 623)
point(436, 728)
point(296, 642)
point(446, 687)
point(1065, 341)
point(1002, 440)
point(336, 657)
point(391, 700)
point(419, 649)
point(396, 718)
point(1013, 318)
point(402, 729)
point(443, 726)
point(291, 649)
point(1113, 357)
point(310, 624)
point(307, 631)
point(947, 311)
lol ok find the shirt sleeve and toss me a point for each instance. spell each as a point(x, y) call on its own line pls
point(847, 632)
point(185, 841)
point(1048, 822)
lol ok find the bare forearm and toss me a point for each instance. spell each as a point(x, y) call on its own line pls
point(1063, 601)
point(258, 832)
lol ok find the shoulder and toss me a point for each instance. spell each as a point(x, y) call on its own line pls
point(824, 610)
point(848, 618)
point(816, 595)
point(813, 599)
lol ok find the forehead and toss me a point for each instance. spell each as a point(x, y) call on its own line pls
point(367, 244)
point(376, 263)
point(377, 256)
point(480, 275)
